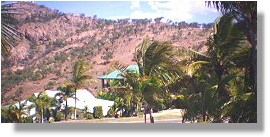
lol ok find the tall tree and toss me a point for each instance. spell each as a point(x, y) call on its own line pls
point(15, 113)
point(42, 102)
point(130, 91)
point(80, 77)
point(223, 72)
point(154, 59)
point(152, 56)
point(66, 92)
point(245, 12)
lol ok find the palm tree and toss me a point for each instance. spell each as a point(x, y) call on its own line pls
point(66, 92)
point(133, 85)
point(41, 102)
point(130, 92)
point(220, 70)
point(152, 56)
point(155, 62)
point(14, 113)
point(9, 33)
point(245, 12)
point(221, 46)
point(80, 77)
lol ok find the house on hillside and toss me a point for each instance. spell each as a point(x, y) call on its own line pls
point(116, 75)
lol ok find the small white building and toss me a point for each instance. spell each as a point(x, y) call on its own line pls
point(87, 99)
point(84, 99)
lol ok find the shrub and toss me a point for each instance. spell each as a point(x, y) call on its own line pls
point(88, 115)
point(27, 120)
point(50, 85)
point(98, 112)
point(179, 102)
point(59, 43)
point(51, 120)
point(58, 116)
point(111, 113)
point(37, 76)
point(61, 57)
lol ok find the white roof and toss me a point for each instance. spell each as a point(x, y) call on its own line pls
point(84, 98)
point(83, 94)
point(28, 103)
point(52, 93)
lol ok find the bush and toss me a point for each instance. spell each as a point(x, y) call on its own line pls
point(58, 116)
point(37, 76)
point(27, 120)
point(51, 120)
point(88, 115)
point(61, 57)
point(98, 112)
point(111, 113)
point(50, 85)
point(179, 102)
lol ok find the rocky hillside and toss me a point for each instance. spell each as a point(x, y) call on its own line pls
point(53, 41)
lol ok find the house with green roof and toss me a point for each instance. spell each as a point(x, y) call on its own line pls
point(116, 75)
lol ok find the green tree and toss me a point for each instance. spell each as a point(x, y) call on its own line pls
point(220, 70)
point(155, 61)
point(245, 12)
point(153, 56)
point(42, 102)
point(66, 92)
point(80, 77)
point(128, 95)
point(15, 114)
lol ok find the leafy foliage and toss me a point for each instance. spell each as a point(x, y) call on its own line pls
point(67, 91)
point(80, 76)
point(213, 92)
point(88, 115)
point(98, 112)
point(42, 103)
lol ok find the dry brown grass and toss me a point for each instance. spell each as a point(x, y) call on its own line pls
point(172, 114)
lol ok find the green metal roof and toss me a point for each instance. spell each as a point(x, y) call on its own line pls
point(117, 73)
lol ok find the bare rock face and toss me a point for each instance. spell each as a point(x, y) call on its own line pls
point(54, 40)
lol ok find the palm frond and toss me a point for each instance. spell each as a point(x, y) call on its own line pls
point(193, 67)
point(10, 36)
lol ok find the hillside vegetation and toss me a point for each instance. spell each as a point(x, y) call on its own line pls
point(53, 41)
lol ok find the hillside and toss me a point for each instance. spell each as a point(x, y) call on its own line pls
point(53, 41)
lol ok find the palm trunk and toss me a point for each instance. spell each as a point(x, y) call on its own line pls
point(144, 117)
point(42, 115)
point(254, 69)
point(75, 111)
point(204, 117)
point(151, 118)
point(252, 38)
point(66, 109)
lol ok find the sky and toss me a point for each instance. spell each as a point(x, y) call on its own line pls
point(177, 10)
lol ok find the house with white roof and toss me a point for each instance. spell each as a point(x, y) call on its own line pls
point(84, 99)
point(87, 99)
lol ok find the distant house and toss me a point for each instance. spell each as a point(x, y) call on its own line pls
point(87, 99)
point(116, 75)
point(84, 99)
